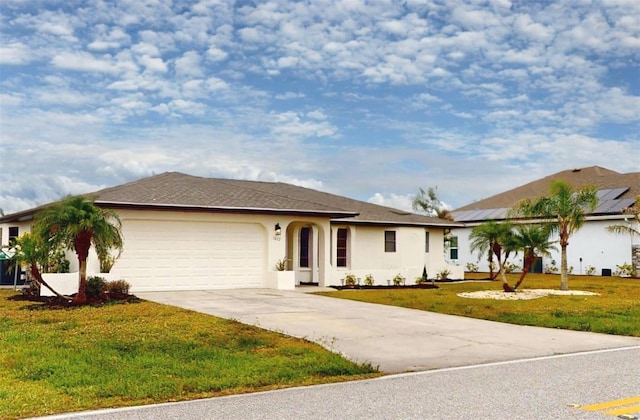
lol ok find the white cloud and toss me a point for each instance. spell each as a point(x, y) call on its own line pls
point(401, 202)
point(188, 64)
point(15, 53)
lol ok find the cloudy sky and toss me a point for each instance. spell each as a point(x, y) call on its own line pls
point(368, 99)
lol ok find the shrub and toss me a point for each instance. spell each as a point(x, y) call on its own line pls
point(368, 280)
point(510, 267)
point(552, 269)
point(118, 288)
point(96, 286)
point(591, 270)
point(472, 267)
point(626, 270)
point(398, 280)
point(350, 280)
point(443, 274)
point(281, 265)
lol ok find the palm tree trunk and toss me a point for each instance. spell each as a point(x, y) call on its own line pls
point(528, 262)
point(564, 281)
point(35, 273)
point(492, 276)
point(82, 245)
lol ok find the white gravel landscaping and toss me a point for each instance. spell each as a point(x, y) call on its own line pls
point(525, 294)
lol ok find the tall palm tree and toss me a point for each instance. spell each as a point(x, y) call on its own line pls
point(32, 251)
point(567, 207)
point(533, 240)
point(79, 223)
point(489, 238)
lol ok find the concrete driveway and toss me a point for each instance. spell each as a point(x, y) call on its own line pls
point(394, 339)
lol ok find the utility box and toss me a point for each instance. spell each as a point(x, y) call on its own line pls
point(606, 272)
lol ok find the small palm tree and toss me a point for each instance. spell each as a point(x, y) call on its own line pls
point(567, 207)
point(493, 238)
point(79, 223)
point(532, 240)
point(485, 238)
point(33, 252)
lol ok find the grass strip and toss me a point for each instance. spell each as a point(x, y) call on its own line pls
point(63, 360)
point(615, 310)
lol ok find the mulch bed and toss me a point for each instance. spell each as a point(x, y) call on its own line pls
point(55, 302)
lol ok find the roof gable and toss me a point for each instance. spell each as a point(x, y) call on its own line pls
point(616, 191)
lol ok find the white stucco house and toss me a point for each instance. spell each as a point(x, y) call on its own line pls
point(183, 232)
point(592, 249)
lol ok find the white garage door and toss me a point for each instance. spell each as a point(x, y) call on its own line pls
point(181, 255)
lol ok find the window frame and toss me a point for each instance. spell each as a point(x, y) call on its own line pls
point(453, 248)
point(304, 248)
point(426, 241)
point(390, 241)
point(342, 247)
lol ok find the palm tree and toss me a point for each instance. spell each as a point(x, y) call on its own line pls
point(490, 238)
point(79, 223)
point(427, 202)
point(32, 251)
point(567, 207)
point(532, 240)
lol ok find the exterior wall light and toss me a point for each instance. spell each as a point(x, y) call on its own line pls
point(277, 229)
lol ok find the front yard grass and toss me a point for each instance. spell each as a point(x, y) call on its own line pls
point(616, 310)
point(54, 361)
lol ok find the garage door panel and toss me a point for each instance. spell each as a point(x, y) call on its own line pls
point(171, 255)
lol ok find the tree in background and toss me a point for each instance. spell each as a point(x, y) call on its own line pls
point(567, 208)
point(427, 202)
point(78, 223)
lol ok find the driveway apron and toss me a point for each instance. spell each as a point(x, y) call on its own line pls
point(391, 338)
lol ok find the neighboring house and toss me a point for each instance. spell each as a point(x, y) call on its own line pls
point(590, 247)
point(183, 232)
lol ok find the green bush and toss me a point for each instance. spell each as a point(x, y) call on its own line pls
point(350, 280)
point(398, 280)
point(96, 286)
point(368, 280)
point(118, 287)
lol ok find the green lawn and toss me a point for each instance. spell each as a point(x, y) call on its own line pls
point(616, 310)
point(54, 361)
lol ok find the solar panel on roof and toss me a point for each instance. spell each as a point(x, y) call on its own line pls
point(497, 213)
point(613, 206)
point(612, 193)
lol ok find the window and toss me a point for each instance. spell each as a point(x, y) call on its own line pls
point(453, 248)
point(342, 248)
point(426, 241)
point(389, 241)
point(13, 234)
point(305, 234)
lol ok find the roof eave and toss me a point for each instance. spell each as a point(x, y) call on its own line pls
point(446, 225)
point(226, 209)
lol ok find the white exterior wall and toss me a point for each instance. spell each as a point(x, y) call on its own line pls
point(592, 243)
point(366, 254)
point(166, 235)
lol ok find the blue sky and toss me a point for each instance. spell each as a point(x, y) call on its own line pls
point(371, 100)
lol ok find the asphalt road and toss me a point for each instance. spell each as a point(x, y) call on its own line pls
point(551, 387)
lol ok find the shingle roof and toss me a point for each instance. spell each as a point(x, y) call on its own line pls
point(173, 190)
point(616, 191)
